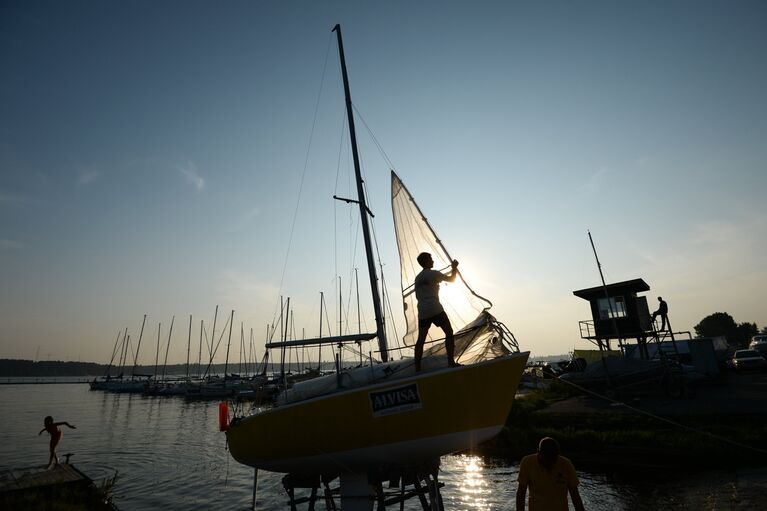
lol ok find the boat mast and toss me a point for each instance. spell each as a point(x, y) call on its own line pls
point(135, 358)
point(157, 352)
point(380, 332)
point(188, 346)
point(167, 348)
point(114, 353)
point(228, 343)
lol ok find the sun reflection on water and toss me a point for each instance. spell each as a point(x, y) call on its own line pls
point(472, 484)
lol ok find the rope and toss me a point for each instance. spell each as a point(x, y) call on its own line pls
point(375, 140)
point(353, 248)
point(303, 175)
point(391, 312)
point(664, 419)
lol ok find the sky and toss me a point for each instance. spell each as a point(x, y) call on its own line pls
point(165, 158)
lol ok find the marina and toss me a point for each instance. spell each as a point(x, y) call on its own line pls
point(393, 302)
point(168, 453)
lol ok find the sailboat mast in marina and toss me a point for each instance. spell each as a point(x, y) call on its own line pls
point(359, 419)
point(380, 331)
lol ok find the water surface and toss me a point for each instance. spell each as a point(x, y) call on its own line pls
point(169, 454)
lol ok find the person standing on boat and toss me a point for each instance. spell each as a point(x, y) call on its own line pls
point(53, 429)
point(662, 312)
point(430, 311)
point(550, 477)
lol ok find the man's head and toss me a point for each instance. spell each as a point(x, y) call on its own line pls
point(425, 260)
point(548, 451)
point(660, 299)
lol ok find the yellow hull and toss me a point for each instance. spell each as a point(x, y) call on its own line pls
point(399, 421)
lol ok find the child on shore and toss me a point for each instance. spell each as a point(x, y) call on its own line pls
point(53, 428)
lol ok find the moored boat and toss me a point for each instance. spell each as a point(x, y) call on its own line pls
point(385, 411)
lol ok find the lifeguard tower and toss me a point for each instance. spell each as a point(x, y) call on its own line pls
point(619, 314)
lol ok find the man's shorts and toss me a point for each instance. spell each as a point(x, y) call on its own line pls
point(441, 320)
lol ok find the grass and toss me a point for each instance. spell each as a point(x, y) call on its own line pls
point(624, 440)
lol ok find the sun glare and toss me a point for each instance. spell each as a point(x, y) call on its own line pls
point(473, 485)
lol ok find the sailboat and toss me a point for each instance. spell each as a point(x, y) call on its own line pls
point(355, 419)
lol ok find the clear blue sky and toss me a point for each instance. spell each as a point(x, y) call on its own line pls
point(151, 155)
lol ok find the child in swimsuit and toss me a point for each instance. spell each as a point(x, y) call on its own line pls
point(53, 428)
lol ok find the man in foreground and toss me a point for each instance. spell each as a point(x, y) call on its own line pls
point(550, 477)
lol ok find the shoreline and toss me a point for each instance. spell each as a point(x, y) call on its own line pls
point(718, 426)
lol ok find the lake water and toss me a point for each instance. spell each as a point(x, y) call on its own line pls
point(169, 454)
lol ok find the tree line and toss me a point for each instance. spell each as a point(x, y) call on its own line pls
point(722, 324)
point(15, 368)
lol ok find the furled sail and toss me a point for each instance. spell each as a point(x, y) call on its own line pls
point(479, 336)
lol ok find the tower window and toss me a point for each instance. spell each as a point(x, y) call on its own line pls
point(615, 307)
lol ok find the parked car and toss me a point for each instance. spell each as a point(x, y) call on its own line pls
point(759, 343)
point(748, 360)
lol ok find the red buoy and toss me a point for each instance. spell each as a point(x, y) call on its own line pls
point(223, 416)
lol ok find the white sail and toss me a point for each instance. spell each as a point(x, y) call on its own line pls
point(478, 335)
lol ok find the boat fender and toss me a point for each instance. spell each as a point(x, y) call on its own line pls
point(223, 416)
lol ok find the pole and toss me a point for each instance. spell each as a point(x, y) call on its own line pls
point(188, 346)
point(123, 350)
point(609, 304)
point(135, 358)
point(199, 354)
point(114, 352)
point(319, 346)
point(157, 352)
point(242, 348)
point(363, 205)
point(228, 343)
point(212, 337)
point(359, 316)
point(340, 308)
point(255, 489)
point(167, 348)
point(604, 286)
point(251, 355)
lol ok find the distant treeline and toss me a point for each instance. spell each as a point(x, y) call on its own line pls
point(20, 368)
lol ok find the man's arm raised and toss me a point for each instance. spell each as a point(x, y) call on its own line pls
point(453, 272)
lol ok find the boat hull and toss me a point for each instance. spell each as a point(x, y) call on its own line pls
point(407, 420)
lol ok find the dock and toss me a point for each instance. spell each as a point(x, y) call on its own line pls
point(31, 486)
point(20, 479)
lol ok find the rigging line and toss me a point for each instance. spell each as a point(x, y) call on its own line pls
point(354, 224)
point(335, 203)
point(664, 419)
point(303, 173)
point(391, 312)
point(340, 149)
point(375, 140)
point(352, 262)
point(368, 198)
point(327, 321)
point(427, 225)
point(357, 353)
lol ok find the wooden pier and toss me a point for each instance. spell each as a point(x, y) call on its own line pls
point(20, 479)
point(36, 487)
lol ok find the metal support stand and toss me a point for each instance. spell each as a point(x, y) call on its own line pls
point(356, 492)
point(255, 489)
point(367, 491)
